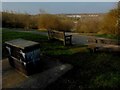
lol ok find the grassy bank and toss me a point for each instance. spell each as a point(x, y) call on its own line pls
point(110, 36)
point(8, 34)
point(90, 70)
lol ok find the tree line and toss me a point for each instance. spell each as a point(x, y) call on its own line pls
point(105, 24)
point(18, 20)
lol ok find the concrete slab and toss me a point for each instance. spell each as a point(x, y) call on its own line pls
point(10, 76)
point(14, 79)
point(43, 79)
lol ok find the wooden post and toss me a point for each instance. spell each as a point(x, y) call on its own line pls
point(64, 42)
point(70, 39)
point(48, 35)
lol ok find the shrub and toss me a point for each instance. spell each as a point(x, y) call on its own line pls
point(49, 21)
point(54, 22)
point(88, 25)
point(109, 24)
point(16, 20)
point(66, 25)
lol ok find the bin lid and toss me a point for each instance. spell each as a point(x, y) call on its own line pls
point(21, 43)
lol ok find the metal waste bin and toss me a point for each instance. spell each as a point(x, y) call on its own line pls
point(24, 55)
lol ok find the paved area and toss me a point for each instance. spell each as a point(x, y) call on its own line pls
point(14, 79)
point(10, 76)
point(79, 39)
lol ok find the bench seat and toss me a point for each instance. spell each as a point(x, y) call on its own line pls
point(102, 44)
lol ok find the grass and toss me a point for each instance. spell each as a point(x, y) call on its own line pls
point(90, 70)
point(110, 36)
point(50, 48)
point(9, 35)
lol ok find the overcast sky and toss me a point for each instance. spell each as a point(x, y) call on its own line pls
point(59, 7)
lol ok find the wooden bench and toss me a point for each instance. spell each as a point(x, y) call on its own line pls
point(60, 35)
point(102, 44)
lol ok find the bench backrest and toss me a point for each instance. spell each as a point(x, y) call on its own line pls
point(56, 34)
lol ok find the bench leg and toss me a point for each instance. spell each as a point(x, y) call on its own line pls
point(67, 41)
point(92, 50)
point(70, 41)
point(64, 42)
